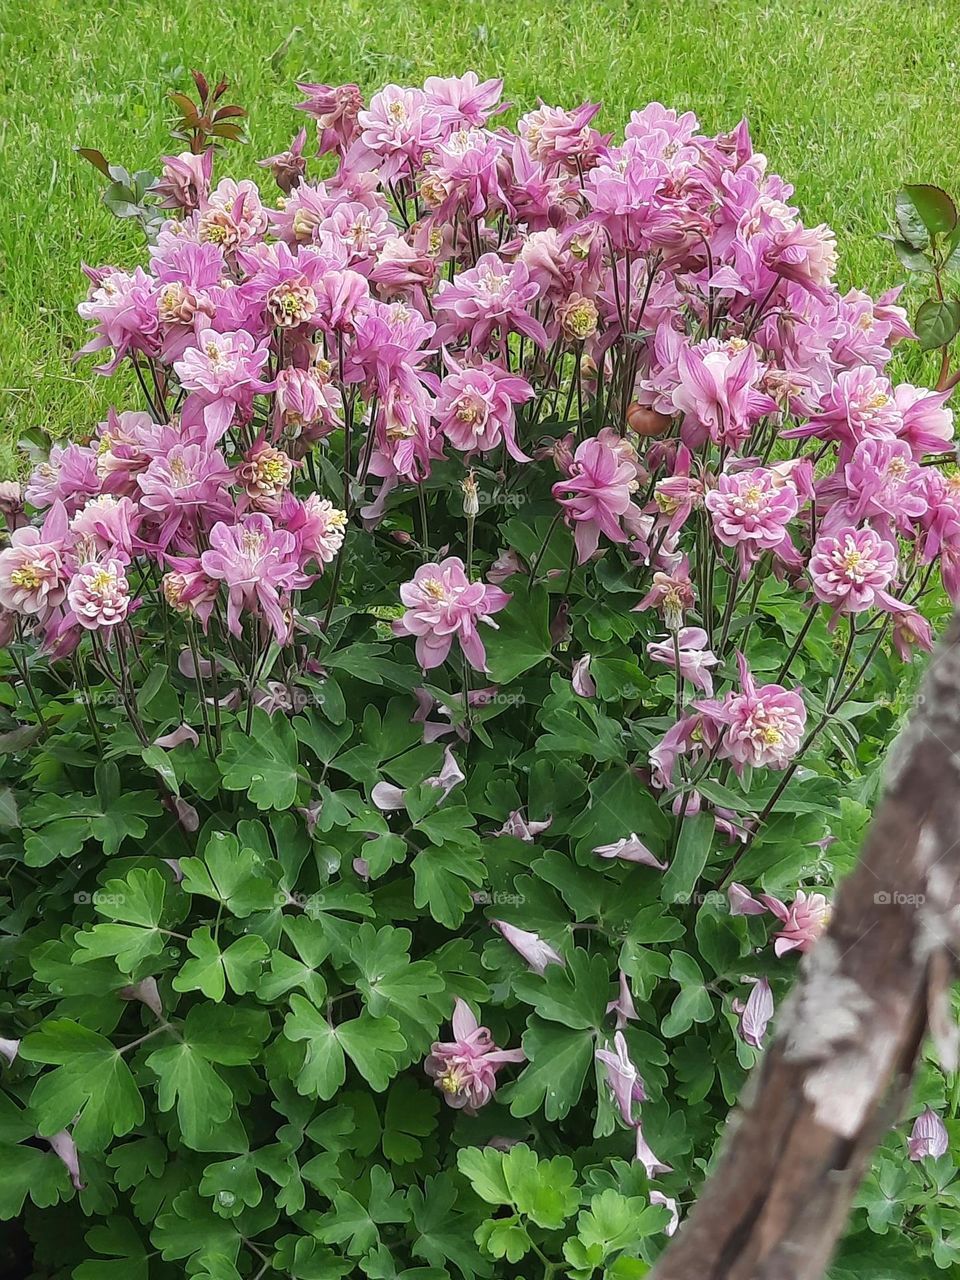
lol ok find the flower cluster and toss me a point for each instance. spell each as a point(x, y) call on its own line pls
point(584, 414)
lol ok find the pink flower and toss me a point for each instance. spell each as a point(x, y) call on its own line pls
point(397, 128)
point(493, 295)
point(802, 922)
point(584, 685)
point(696, 659)
point(668, 1203)
point(475, 408)
point(183, 488)
point(335, 108)
point(623, 1006)
point(755, 1014)
point(464, 99)
point(224, 370)
point(763, 726)
point(258, 564)
point(64, 1147)
point(556, 137)
point(671, 593)
point(742, 902)
point(265, 473)
point(465, 1068)
point(881, 485)
point(70, 475)
point(929, 1137)
point(630, 849)
point(623, 1078)
point(927, 423)
point(317, 524)
point(851, 570)
point(288, 167)
point(521, 828)
point(718, 393)
point(9, 1050)
point(910, 629)
point(442, 603)
point(463, 176)
point(99, 594)
point(32, 572)
point(596, 495)
point(652, 1163)
point(750, 511)
point(306, 404)
point(105, 524)
point(184, 181)
point(807, 255)
point(537, 953)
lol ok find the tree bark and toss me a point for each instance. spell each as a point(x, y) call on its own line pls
point(837, 1074)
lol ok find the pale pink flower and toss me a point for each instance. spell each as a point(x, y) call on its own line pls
point(559, 138)
point(801, 924)
point(763, 725)
point(521, 828)
point(177, 737)
point(911, 629)
point(335, 109)
point(851, 569)
point(224, 370)
point(317, 524)
point(397, 127)
point(147, 992)
point(742, 902)
point(750, 511)
point(105, 525)
point(668, 1203)
point(184, 181)
point(288, 167)
point(493, 295)
point(630, 849)
point(9, 1050)
point(583, 682)
point(265, 472)
point(184, 487)
point(259, 564)
point(475, 408)
point(64, 1147)
point(652, 1163)
point(623, 1006)
point(465, 1068)
point(754, 1014)
point(695, 659)
point(596, 495)
point(464, 99)
point(33, 577)
point(671, 593)
point(806, 255)
point(623, 1078)
point(535, 951)
point(99, 594)
point(929, 1137)
point(718, 392)
point(306, 403)
point(442, 603)
point(927, 422)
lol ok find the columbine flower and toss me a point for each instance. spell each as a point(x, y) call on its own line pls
point(32, 573)
point(802, 922)
point(184, 181)
point(537, 953)
point(763, 724)
point(582, 681)
point(265, 472)
point(475, 408)
point(99, 594)
point(289, 166)
point(718, 392)
point(852, 569)
point(623, 1078)
point(750, 511)
point(318, 525)
point(223, 369)
point(492, 295)
point(742, 902)
point(257, 563)
point(630, 849)
point(911, 629)
point(755, 1013)
point(695, 659)
point(623, 1006)
point(465, 1068)
point(672, 593)
point(929, 1137)
point(522, 828)
point(442, 603)
point(596, 495)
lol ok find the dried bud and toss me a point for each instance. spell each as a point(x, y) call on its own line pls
point(471, 498)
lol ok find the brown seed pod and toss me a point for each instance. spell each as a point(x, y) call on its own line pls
point(647, 422)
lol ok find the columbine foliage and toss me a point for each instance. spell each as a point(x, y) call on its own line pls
point(439, 708)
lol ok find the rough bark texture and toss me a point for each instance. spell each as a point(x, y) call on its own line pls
point(835, 1077)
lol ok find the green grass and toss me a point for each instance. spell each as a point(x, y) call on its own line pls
point(847, 98)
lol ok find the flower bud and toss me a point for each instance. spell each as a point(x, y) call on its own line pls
point(471, 498)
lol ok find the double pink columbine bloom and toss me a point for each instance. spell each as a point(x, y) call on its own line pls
point(596, 495)
point(442, 604)
point(465, 1068)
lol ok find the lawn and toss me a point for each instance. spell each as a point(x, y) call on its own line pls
point(848, 98)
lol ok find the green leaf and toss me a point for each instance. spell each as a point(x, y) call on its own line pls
point(239, 965)
point(693, 849)
point(237, 878)
point(444, 880)
point(553, 1079)
point(91, 1089)
point(372, 1044)
point(933, 206)
point(937, 322)
point(693, 1004)
point(575, 994)
point(118, 1239)
point(136, 905)
point(265, 765)
point(523, 636)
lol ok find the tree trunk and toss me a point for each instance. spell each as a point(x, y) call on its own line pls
point(837, 1073)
